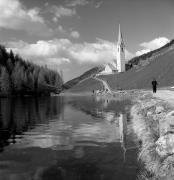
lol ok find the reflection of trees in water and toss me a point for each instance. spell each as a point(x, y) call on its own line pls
point(19, 114)
point(80, 163)
point(96, 106)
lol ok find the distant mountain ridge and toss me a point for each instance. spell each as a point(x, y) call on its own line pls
point(140, 70)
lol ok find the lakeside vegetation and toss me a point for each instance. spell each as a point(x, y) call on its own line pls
point(20, 77)
point(151, 123)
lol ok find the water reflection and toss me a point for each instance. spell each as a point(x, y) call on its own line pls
point(123, 133)
point(20, 115)
point(66, 138)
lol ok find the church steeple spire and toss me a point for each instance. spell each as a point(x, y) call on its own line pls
point(120, 52)
point(120, 38)
point(119, 35)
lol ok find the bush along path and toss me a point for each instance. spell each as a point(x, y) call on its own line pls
point(153, 123)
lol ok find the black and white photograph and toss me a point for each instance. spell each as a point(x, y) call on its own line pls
point(86, 89)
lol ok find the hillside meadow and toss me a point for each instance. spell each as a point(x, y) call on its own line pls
point(158, 64)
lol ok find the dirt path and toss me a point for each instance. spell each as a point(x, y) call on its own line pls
point(165, 95)
point(105, 84)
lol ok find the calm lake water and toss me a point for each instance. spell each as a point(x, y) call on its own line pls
point(67, 138)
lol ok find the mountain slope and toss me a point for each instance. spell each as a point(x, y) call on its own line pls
point(88, 85)
point(84, 76)
point(138, 60)
point(157, 64)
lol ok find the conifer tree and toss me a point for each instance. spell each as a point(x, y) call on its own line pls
point(9, 65)
point(11, 56)
point(58, 82)
point(41, 81)
point(30, 81)
point(5, 83)
point(17, 76)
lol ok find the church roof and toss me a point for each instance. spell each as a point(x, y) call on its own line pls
point(109, 68)
point(112, 66)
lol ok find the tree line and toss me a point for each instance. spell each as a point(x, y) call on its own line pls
point(20, 77)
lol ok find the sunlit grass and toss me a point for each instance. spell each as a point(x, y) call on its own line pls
point(147, 130)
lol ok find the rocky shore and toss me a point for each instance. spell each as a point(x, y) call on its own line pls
point(153, 123)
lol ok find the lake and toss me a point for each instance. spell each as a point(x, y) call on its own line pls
point(67, 138)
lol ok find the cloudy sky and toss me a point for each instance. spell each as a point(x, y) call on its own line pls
point(75, 35)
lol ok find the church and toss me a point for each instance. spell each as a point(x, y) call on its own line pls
point(118, 65)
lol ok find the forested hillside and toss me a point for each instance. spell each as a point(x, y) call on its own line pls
point(20, 77)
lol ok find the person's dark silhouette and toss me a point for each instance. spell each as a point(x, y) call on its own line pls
point(154, 85)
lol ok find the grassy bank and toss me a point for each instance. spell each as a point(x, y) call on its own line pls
point(149, 122)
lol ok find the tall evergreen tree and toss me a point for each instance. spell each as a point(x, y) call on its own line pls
point(5, 83)
point(12, 57)
point(30, 82)
point(58, 82)
point(17, 77)
point(41, 81)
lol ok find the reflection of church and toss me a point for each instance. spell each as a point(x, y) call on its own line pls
point(118, 65)
point(127, 144)
point(123, 132)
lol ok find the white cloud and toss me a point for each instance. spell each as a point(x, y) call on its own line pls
point(63, 51)
point(155, 43)
point(152, 45)
point(98, 4)
point(60, 11)
point(143, 51)
point(46, 4)
point(42, 52)
point(61, 29)
point(74, 3)
point(58, 61)
point(13, 15)
point(94, 53)
point(75, 34)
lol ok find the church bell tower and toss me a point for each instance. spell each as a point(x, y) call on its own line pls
point(120, 52)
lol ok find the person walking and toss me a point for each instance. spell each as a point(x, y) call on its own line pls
point(154, 85)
